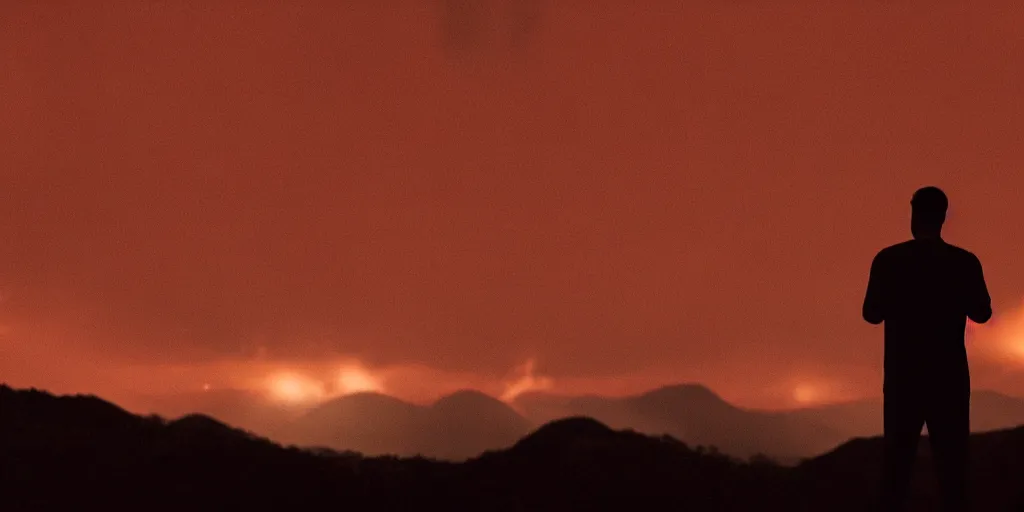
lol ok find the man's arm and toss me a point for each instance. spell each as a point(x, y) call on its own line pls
point(874, 299)
point(979, 304)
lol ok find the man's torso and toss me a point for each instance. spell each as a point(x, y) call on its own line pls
point(925, 283)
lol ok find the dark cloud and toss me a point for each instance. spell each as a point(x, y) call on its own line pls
point(494, 27)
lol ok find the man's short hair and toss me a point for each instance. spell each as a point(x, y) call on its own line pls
point(931, 202)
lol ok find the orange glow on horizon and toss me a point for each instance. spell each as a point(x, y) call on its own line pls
point(806, 394)
point(295, 389)
point(298, 388)
point(525, 381)
point(1015, 341)
point(1001, 340)
point(355, 379)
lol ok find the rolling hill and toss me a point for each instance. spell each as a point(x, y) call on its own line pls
point(455, 427)
point(246, 409)
point(466, 423)
point(80, 452)
point(697, 415)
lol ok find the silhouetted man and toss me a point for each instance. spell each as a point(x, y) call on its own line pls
point(925, 290)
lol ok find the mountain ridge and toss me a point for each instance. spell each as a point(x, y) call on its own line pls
point(123, 461)
point(456, 426)
point(466, 422)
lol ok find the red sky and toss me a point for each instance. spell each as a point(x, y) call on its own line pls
point(626, 193)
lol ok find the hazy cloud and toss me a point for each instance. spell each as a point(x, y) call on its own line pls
point(687, 192)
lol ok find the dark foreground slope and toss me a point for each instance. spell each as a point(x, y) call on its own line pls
point(79, 453)
point(64, 453)
point(696, 414)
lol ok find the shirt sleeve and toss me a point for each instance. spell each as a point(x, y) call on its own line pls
point(874, 299)
point(979, 303)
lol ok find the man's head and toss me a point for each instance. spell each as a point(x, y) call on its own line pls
point(928, 212)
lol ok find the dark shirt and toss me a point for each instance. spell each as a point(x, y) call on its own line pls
point(924, 291)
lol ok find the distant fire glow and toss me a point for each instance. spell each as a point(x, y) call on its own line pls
point(525, 380)
point(806, 394)
point(295, 389)
point(1001, 340)
point(1015, 342)
point(1012, 334)
point(354, 379)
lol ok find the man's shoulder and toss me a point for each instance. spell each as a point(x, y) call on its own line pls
point(908, 252)
point(963, 254)
point(909, 245)
point(958, 250)
point(902, 246)
point(894, 251)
